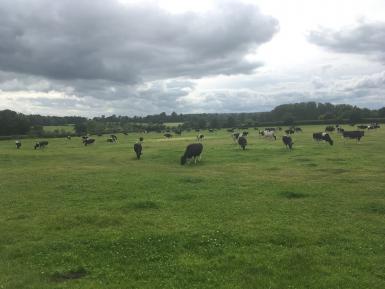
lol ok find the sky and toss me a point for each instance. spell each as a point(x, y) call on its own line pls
point(139, 57)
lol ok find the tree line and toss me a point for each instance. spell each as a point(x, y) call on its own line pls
point(13, 123)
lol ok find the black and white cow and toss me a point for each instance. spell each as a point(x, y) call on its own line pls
point(362, 126)
point(322, 136)
point(330, 128)
point(41, 144)
point(138, 149)
point(200, 137)
point(114, 137)
point(235, 136)
point(167, 135)
point(88, 141)
point(287, 141)
point(18, 144)
point(245, 133)
point(269, 134)
point(193, 151)
point(289, 131)
point(356, 134)
point(242, 141)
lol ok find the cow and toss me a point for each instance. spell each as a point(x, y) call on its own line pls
point(114, 138)
point(211, 130)
point(362, 126)
point(235, 136)
point(200, 137)
point(68, 137)
point(178, 132)
point(167, 135)
point(41, 144)
point(88, 141)
point(193, 151)
point(322, 136)
point(138, 149)
point(355, 134)
point(125, 133)
point(242, 141)
point(289, 131)
point(85, 137)
point(330, 128)
point(18, 144)
point(141, 139)
point(298, 129)
point(269, 134)
point(340, 130)
point(245, 133)
point(270, 128)
point(110, 140)
point(287, 141)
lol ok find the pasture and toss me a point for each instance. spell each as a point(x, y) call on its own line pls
point(66, 128)
point(95, 217)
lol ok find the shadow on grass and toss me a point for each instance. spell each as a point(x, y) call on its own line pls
point(375, 208)
point(72, 274)
point(293, 195)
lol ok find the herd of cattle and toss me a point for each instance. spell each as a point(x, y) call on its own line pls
point(194, 151)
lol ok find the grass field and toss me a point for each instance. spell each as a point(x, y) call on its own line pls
point(52, 128)
point(95, 217)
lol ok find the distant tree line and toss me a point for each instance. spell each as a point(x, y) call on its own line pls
point(12, 123)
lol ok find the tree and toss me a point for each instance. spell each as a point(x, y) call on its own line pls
point(81, 128)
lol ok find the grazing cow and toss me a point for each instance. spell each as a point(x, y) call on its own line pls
point(287, 141)
point(298, 129)
point(289, 131)
point(270, 128)
point(167, 135)
point(193, 151)
point(138, 150)
point(322, 136)
point(110, 140)
point(18, 144)
point(235, 136)
point(88, 141)
point(141, 139)
point(125, 133)
point(340, 130)
point(114, 137)
point(41, 144)
point(85, 137)
point(362, 126)
point(356, 134)
point(68, 137)
point(269, 134)
point(330, 128)
point(211, 130)
point(245, 133)
point(200, 137)
point(242, 141)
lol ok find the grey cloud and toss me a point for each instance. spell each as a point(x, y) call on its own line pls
point(367, 38)
point(110, 41)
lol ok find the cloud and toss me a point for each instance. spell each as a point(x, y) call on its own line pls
point(366, 38)
point(128, 43)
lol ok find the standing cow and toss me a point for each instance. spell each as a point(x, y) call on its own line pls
point(242, 141)
point(138, 149)
point(322, 136)
point(41, 144)
point(287, 141)
point(18, 144)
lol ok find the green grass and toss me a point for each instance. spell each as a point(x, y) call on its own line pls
point(51, 128)
point(172, 124)
point(95, 217)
